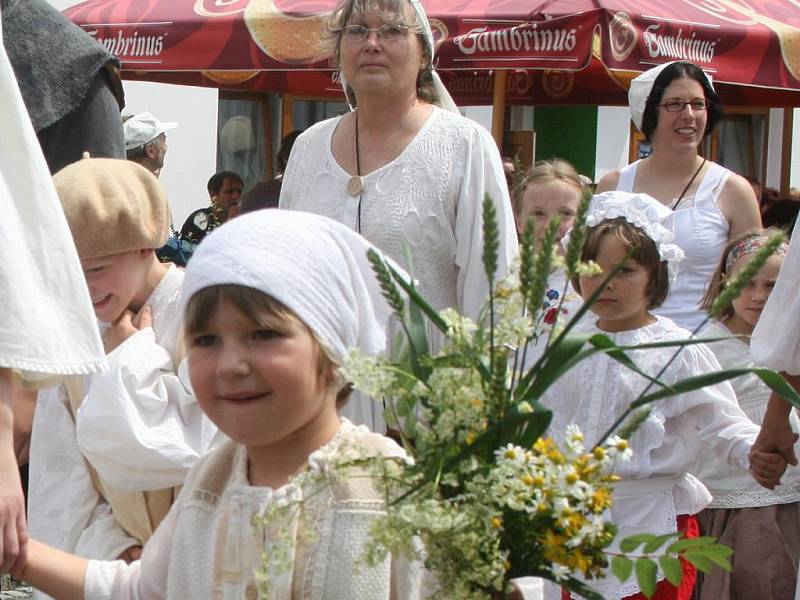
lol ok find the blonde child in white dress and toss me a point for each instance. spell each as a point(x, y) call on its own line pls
point(264, 340)
point(759, 524)
point(657, 493)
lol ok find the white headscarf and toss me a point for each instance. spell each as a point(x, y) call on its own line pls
point(47, 325)
point(314, 266)
point(640, 90)
point(445, 100)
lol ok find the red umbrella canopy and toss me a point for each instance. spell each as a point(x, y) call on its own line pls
point(558, 51)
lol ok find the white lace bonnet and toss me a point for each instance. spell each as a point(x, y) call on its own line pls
point(643, 211)
point(641, 87)
point(315, 266)
point(445, 100)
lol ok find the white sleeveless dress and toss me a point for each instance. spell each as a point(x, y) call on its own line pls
point(701, 231)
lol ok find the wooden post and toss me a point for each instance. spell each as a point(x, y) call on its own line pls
point(287, 114)
point(786, 150)
point(266, 120)
point(499, 107)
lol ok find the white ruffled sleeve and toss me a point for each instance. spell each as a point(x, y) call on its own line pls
point(140, 425)
point(47, 326)
point(713, 411)
point(483, 174)
point(144, 579)
point(776, 339)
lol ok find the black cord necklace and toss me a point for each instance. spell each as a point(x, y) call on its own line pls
point(688, 185)
point(355, 185)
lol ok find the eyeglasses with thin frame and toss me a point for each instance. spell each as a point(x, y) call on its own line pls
point(388, 32)
point(678, 105)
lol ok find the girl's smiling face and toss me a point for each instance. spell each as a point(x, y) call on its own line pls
point(259, 381)
point(622, 305)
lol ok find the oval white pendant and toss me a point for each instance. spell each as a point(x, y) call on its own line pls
point(355, 185)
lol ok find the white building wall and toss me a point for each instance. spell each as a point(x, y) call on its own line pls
point(613, 133)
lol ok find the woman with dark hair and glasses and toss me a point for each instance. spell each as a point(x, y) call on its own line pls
point(403, 168)
point(675, 106)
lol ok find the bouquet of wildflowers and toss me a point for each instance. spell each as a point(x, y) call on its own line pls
point(488, 496)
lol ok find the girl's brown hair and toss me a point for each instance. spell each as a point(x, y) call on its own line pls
point(398, 12)
point(545, 171)
point(259, 307)
point(722, 273)
point(643, 251)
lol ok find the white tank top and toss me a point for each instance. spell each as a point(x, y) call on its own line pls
point(701, 231)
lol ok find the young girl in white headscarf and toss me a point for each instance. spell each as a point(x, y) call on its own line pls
point(264, 341)
point(657, 494)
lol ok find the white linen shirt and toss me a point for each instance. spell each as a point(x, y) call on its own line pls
point(732, 487)
point(427, 202)
point(206, 547)
point(656, 483)
point(139, 425)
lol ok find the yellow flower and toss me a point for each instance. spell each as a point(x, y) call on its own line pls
point(502, 292)
point(476, 402)
point(470, 437)
point(621, 445)
point(572, 478)
point(527, 479)
point(497, 522)
point(601, 499)
point(599, 453)
point(510, 453)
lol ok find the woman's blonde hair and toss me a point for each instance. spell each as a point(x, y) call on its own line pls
point(259, 307)
point(545, 171)
point(722, 273)
point(399, 12)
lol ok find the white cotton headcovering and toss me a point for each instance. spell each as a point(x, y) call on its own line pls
point(647, 213)
point(315, 266)
point(640, 90)
point(445, 100)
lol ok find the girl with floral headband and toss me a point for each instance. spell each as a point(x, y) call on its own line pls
point(759, 524)
point(657, 493)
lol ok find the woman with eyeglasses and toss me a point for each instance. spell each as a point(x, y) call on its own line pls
point(675, 106)
point(403, 168)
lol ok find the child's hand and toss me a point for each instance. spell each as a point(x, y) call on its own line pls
point(124, 327)
point(130, 555)
point(767, 467)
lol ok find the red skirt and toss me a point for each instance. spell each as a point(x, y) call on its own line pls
point(665, 590)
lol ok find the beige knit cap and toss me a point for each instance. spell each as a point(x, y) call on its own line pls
point(112, 206)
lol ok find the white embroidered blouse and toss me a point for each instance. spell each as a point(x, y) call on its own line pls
point(731, 487)
point(206, 548)
point(657, 484)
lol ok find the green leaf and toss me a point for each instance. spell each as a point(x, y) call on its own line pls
point(417, 298)
point(631, 543)
point(657, 542)
point(701, 562)
point(491, 237)
point(697, 542)
point(622, 567)
point(646, 576)
point(672, 569)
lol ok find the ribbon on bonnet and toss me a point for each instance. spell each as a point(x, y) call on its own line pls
point(316, 267)
point(643, 211)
